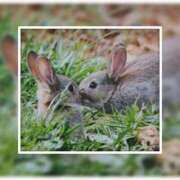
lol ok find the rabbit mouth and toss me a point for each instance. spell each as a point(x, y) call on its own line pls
point(89, 101)
point(85, 98)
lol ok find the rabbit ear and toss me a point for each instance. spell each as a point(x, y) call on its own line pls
point(46, 72)
point(32, 63)
point(41, 69)
point(9, 50)
point(119, 57)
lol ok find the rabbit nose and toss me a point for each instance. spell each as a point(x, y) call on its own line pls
point(82, 91)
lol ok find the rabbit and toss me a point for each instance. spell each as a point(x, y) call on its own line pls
point(49, 84)
point(122, 83)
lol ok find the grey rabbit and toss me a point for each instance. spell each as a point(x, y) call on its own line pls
point(122, 83)
point(49, 83)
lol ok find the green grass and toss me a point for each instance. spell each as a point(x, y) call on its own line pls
point(104, 131)
point(99, 131)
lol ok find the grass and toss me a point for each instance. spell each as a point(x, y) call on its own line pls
point(102, 131)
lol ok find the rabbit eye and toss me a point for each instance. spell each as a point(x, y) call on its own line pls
point(93, 85)
point(71, 88)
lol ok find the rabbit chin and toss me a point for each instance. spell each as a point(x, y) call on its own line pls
point(90, 103)
point(106, 107)
point(100, 103)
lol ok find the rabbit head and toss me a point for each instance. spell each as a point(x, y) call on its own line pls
point(98, 87)
point(49, 83)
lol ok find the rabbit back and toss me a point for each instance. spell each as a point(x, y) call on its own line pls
point(139, 83)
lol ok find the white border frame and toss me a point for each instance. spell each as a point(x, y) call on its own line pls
point(87, 27)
